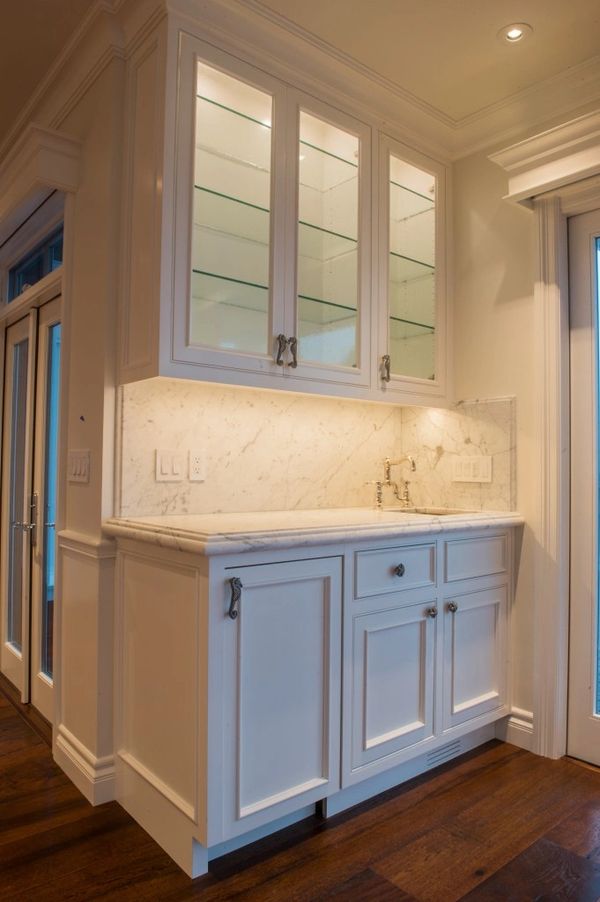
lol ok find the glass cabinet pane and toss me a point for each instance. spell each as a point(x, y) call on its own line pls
point(327, 293)
point(18, 458)
point(411, 285)
point(231, 215)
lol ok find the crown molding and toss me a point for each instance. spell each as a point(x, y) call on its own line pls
point(559, 156)
point(560, 95)
point(39, 162)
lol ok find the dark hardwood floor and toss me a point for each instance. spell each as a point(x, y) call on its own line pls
point(500, 824)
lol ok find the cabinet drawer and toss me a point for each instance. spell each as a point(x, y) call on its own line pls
point(469, 558)
point(393, 569)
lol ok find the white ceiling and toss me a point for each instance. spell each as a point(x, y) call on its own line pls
point(445, 52)
point(32, 34)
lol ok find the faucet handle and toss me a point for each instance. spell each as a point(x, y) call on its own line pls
point(378, 491)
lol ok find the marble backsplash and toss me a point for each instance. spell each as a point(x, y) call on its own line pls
point(435, 438)
point(277, 451)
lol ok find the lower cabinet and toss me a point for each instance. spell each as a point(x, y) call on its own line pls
point(393, 669)
point(475, 654)
point(231, 708)
point(282, 688)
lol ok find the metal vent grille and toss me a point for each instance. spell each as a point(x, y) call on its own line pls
point(444, 753)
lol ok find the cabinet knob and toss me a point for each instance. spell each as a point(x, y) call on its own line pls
point(432, 612)
point(236, 593)
point(452, 607)
point(386, 365)
point(400, 570)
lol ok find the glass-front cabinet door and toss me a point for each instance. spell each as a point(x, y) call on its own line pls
point(229, 220)
point(412, 271)
point(329, 328)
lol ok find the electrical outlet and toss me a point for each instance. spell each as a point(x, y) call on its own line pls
point(197, 466)
point(169, 466)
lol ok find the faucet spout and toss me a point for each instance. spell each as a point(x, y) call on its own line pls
point(404, 497)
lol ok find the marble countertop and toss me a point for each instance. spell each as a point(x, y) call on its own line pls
point(225, 533)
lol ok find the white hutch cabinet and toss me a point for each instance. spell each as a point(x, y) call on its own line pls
point(274, 237)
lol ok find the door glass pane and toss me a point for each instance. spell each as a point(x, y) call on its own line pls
point(49, 512)
point(412, 270)
point(327, 243)
point(232, 193)
point(17, 492)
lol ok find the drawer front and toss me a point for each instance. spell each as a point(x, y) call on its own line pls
point(470, 558)
point(394, 569)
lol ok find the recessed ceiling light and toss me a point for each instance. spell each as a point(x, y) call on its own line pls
point(515, 32)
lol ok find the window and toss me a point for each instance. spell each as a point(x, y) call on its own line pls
point(36, 264)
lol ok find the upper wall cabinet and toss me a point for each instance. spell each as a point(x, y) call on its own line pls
point(270, 218)
point(412, 309)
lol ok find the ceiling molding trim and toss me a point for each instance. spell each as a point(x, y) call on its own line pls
point(40, 161)
point(557, 157)
point(325, 47)
point(237, 28)
point(102, 9)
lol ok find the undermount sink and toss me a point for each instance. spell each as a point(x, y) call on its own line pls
point(428, 511)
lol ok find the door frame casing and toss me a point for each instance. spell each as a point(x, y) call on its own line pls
point(552, 437)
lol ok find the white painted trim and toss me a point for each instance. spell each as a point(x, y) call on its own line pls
point(40, 161)
point(554, 158)
point(551, 527)
point(165, 790)
point(517, 729)
point(86, 545)
point(94, 777)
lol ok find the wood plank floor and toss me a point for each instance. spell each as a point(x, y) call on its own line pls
point(500, 824)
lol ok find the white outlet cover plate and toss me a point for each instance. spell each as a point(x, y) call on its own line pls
point(196, 466)
point(472, 469)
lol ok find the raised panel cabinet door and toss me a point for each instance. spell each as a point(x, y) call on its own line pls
point(282, 689)
point(475, 655)
point(393, 655)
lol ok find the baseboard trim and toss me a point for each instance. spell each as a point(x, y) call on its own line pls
point(94, 777)
point(517, 729)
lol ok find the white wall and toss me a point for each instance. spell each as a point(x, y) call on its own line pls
point(493, 351)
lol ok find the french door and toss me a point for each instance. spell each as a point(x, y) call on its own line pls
point(28, 509)
point(583, 739)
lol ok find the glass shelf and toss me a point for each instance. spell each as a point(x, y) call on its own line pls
point(406, 328)
point(230, 216)
point(322, 170)
point(406, 203)
point(323, 244)
point(320, 311)
point(405, 269)
point(229, 134)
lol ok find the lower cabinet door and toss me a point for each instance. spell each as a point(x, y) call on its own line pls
point(393, 657)
point(282, 691)
point(475, 655)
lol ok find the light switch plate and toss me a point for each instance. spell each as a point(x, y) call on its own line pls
point(472, 469)
point(78, 465)
point(170, 466)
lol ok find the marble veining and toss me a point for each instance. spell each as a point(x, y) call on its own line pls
point(273, 451)
point(224, 533)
